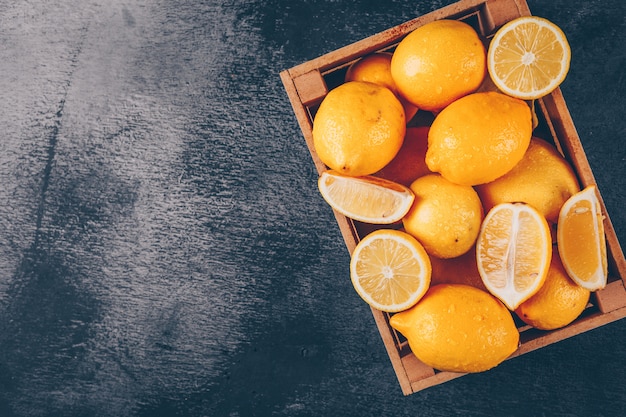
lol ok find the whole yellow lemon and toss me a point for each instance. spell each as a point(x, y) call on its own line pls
point(358, 128)
point(479, 138)
point(558, 302)
point(458, 328)
point(438, 63)
point(543, 178)
point(376, 68)
point(445, 217)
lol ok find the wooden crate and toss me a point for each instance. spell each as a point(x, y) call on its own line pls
point(308, 83)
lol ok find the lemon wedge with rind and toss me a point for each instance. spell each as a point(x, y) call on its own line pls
point(528, 57)
point(581, 241)
point(513, 252)
point(367, 199)
point(390, 270)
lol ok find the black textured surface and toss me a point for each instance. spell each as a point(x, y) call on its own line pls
point(164, 250)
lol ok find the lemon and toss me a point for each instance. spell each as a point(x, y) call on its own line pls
point(358, 128)
point(390, 270)
point(458, 328)
point(439, 62)
point(528, 57)
point(581, 241)
point(513, 252)
point(410, 162)
point(558, 302)
point(543, 179)
point(459, 270)
point(367, 199)
point(445, 217)
point(479, 138)
point(376, 68)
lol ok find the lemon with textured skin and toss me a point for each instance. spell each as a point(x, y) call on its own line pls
point(439, 62)
point(376, 68)
point(543, 178)
point(458, 328)
point(445, 217)
point(358, 128)
point(558, 302)
point(367, 199)
point(479, 138)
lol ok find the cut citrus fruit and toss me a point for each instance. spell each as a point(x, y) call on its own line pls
point(390, 270)
point(367, 199)
point(528, 57)
point(580, 239)
point(513, 252)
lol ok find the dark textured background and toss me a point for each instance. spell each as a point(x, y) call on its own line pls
point(164, 250)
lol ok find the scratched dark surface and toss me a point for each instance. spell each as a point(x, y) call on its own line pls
point(164, 250)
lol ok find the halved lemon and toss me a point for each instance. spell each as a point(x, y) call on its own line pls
point(513, 252)
point(390, 270)
point(580, 239)
point(528, 57)
point(367, 199)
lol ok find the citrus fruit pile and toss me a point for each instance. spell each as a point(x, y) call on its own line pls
point(479, 221)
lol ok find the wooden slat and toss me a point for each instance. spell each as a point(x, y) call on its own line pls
point(302, 115)
point(498, 12)
point(612, 297)
point(311, 87)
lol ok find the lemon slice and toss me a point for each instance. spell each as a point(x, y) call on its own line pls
point(513, 252)
point(580, 240)
point(528, 57)
point(367, 199)
point(390, 270)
